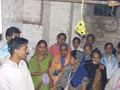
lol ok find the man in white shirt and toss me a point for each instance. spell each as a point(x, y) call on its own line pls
point(14, 74)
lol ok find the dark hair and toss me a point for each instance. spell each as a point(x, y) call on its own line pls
point(42, 41)
point(62, 34)
point(76, 38)
point(91, 35)
point(16, 43)
point(12, 30)
point(87, 44)
point(64, 44)
point(108, 43)
point(114, 51)
point(75, 54)
point(96, 51)
point(119, 45)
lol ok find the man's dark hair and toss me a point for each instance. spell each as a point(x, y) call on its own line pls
point(76, 38)
point(12, 30)
point(16, 43)
point(62, 34)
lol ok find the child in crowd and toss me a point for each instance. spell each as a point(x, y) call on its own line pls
point(91, 40)
point(76, 44)
point(96, 72)
point(87, 51)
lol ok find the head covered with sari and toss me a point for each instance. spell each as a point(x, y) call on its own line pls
point(91, 40)
point(59, 61)
point(80, 73)
point(37, 51)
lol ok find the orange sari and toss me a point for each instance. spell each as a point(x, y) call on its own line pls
point(56, 65)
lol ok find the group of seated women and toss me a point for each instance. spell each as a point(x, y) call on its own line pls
point(72, 68)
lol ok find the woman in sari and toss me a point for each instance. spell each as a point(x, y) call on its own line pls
point(39, 66)
point(91, 40)
point(64, 80)
point(80, 77)
point(96, 72)
point(58, 63)
point(109, 60)
point(114, 83)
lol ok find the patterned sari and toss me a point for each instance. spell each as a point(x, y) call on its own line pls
point(56, 65)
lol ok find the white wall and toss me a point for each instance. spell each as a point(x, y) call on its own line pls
point(7, 17)
point(57, 17)
point(59, 20)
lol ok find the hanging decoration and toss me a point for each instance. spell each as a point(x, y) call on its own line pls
point(80, 27)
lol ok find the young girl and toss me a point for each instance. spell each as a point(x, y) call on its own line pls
point(96, 72)
point(76, 44)
point(91, 40)
point(87, 51)
point(39, 64)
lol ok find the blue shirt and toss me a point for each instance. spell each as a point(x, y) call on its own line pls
point(62, 60)
point(4, 51)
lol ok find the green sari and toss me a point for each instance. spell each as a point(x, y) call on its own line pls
point(44, 65)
